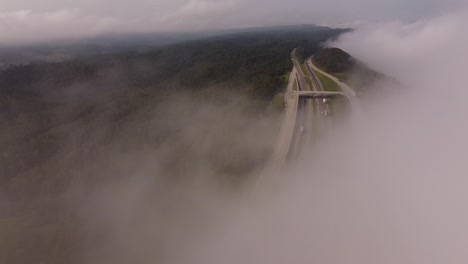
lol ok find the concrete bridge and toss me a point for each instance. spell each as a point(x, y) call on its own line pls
point(320, 94)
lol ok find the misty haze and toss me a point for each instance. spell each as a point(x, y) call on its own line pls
point(233, 131)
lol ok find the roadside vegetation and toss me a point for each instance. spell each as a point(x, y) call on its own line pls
point(327, 83)
point(307, 75)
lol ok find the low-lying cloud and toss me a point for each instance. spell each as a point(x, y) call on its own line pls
point(424, 54)
point(387, 188)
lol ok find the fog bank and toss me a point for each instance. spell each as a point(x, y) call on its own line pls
point(387, 188)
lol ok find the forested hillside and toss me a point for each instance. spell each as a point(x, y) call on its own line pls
point(76, 129)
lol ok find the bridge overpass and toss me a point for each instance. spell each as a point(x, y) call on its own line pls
point(320, 94)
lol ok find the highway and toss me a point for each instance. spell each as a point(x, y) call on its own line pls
point(304, 120)
point(312, 117)
point(302, 133)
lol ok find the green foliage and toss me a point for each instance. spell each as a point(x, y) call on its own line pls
point(307, 75)
point(279, 101)
point(327, 83)
point(241, 61)
point(299, 54)
point(334, 60)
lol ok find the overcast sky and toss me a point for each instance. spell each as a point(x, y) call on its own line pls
point(32, 20)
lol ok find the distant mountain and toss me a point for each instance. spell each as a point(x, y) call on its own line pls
point(114, 43)
point(281, 28)
point(110, 43)
point(256, 59)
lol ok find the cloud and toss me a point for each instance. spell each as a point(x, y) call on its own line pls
point(401, 49)
point(199, 13)
point(26, 21)
point(201, 7)
point(388, 187)
point(29, 26)
point(15, 16)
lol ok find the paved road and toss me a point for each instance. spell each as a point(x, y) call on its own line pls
point(303, 121)
point(312, 115)
point(303, 126)
point(322, 107)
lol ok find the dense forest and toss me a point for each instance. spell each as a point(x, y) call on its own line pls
point(187, 112)
point(334, 60)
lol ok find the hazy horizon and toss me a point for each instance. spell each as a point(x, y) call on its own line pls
point(175, 35)
point(45, 20)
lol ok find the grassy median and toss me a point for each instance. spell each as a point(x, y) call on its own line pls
point(327, 83)
point(307, 75)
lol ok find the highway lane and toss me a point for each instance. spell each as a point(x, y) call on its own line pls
point(304, 120)
point(303, 128)
point(311, 119)
point(283, 144)
point(323, 107)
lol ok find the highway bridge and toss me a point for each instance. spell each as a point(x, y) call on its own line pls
point(320, 94)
